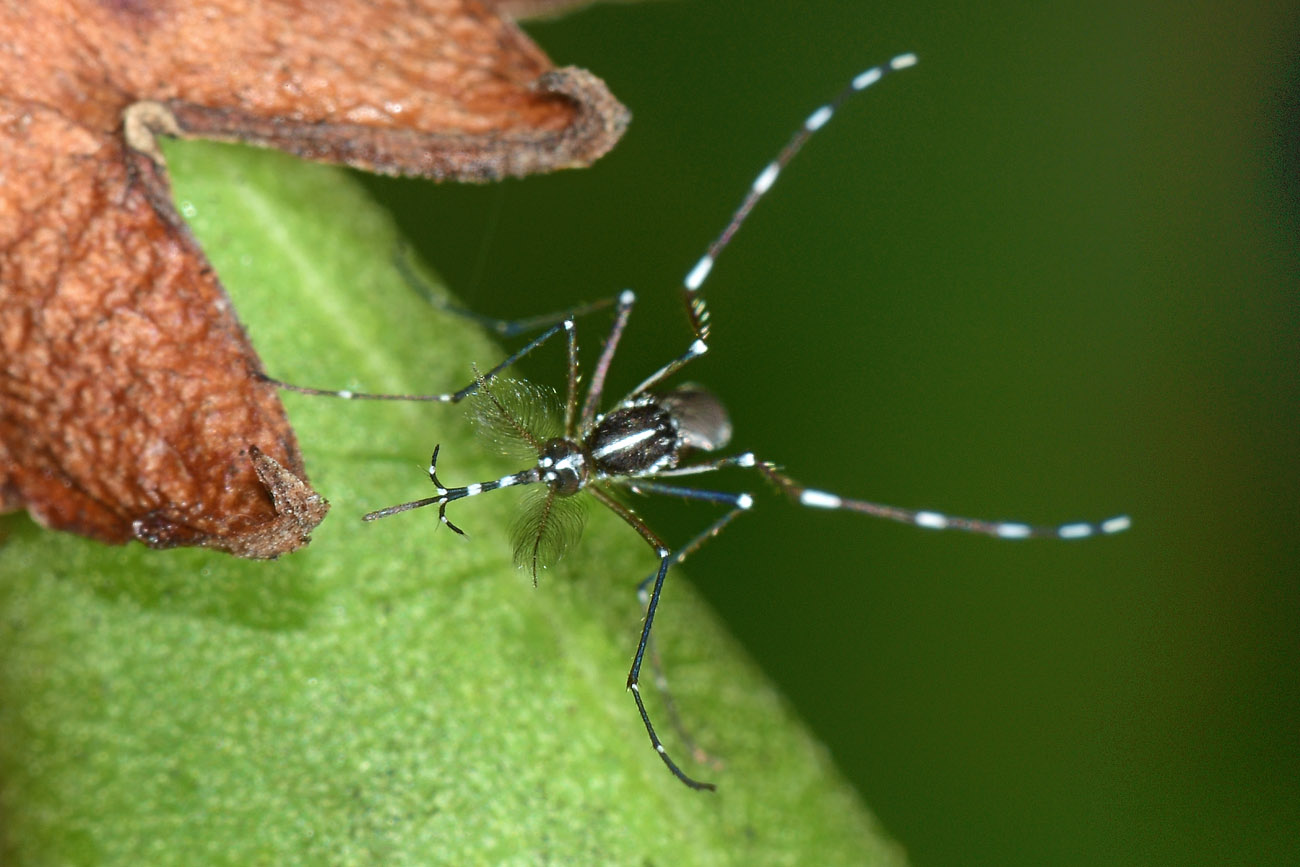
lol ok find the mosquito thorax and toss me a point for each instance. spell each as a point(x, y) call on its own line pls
point(562, 466)
point(637, 438)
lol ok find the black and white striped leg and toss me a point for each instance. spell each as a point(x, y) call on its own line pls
point(696, 309)
point(931, 520)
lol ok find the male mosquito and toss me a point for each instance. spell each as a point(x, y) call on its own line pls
point(646, 441)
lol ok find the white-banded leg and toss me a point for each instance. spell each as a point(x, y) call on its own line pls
point(932, 520)
point(696, 309)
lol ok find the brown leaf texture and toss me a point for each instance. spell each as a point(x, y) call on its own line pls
point(127, 410)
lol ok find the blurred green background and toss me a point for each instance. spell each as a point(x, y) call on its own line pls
point(1049, 274)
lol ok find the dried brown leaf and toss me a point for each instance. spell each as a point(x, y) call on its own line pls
point(126, 405)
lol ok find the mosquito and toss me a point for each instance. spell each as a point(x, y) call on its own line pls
point(653, 437)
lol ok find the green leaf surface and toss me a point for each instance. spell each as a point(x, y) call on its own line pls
point(393, 694)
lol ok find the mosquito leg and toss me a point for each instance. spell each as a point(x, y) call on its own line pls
point(633, 678)
point(649, 596)
point(934, 520)
point(501, 327)
point(698, 753)
point(571, 386)
point(696, 309)
point(745, 460)
point(592, 402)
point(739, 503)
point(553, 323)
point(695, 350)
point(449, 397)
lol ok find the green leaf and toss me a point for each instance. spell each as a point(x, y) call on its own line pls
point(393, 694)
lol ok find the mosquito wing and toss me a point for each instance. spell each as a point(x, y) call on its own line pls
point(515, 416)
point(547, 526)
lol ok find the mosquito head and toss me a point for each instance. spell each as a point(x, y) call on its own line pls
point(562, 466)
